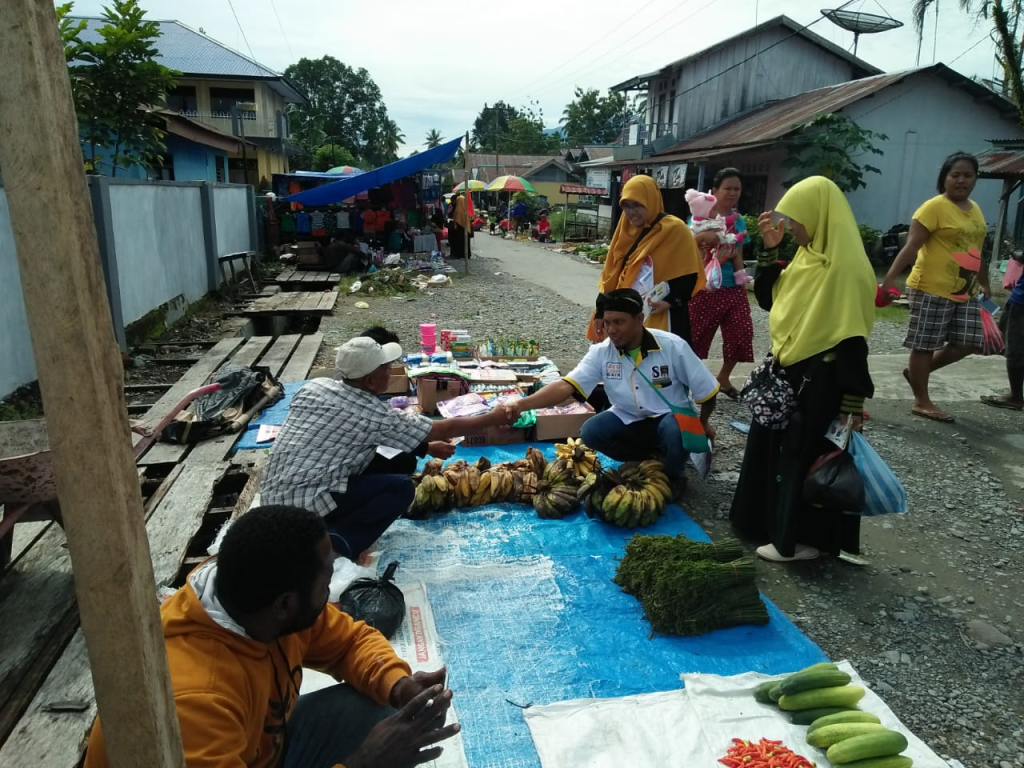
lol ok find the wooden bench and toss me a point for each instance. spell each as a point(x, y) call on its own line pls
point(292, 279)
point(228, 260)
point(47, 704)
point(314, 303)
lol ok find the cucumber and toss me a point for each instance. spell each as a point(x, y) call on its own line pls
point(881, 744)
point(840, 696)
point(891, 761)
point(827, 735)
point(850, 716)
point(761, 691)
point(813, 679)
point(821, 665)
point(774, 693)
point(809, 716)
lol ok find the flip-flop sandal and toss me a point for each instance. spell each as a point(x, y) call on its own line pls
point(732, 393)
point(940, 416)
point(998, 402)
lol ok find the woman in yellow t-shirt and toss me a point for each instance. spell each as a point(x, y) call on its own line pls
point(945, 242)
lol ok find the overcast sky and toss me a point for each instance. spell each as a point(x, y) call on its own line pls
point(437, 64)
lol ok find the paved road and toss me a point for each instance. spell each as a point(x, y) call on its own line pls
point(560, 272)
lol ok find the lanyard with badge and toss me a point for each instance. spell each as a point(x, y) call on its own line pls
point(695, 440)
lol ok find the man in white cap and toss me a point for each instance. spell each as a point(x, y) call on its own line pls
point(331, 434)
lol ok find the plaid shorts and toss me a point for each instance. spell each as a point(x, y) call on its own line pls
point(1011, 323)
point(936, 320)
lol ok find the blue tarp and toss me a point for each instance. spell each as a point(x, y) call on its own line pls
point(274, 415)
point(527, 613)
point(329, 194)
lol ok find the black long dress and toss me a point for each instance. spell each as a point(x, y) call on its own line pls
point(768, 504)
point(457, 240)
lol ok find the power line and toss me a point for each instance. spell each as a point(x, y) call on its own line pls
point(231, 5)
point(969, 49)
point(589, 66)
point(283, 33)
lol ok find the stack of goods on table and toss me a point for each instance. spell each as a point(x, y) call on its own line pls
point(822, 698)
point(690, 588)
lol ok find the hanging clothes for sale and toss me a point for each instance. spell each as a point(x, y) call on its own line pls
point(302, 223)
point(288, 223)
point(342, 220)
point(316, 224)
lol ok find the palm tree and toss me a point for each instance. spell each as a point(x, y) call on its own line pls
point(392, 137)
point(434, 138)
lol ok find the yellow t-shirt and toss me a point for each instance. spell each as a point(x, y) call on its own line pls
point(947, 264)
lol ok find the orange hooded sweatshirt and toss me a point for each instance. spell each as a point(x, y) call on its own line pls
point(235, 694)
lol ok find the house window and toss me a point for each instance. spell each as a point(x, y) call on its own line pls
point(223, 99)
point(219, 168)
point(183, 100)
point(237, 171)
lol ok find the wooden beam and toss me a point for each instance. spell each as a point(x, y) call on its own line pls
point(95, 472)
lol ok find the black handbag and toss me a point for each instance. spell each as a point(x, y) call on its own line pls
point(833, 482)
point(769, 395)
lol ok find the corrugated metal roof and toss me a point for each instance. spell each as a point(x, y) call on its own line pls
point(191, 52)
point(1001, 163)
point(772, 121)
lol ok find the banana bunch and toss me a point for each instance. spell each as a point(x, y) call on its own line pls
point(536, 460)
point(583, 459)
point(502, 483)
point(525, 487)
point(431, 495)
point(634, 495)
point(556, 492)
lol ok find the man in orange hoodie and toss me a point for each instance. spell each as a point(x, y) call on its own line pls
point(238, 635)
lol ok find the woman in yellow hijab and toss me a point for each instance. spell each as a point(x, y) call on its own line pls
point(652, 249)
point(821, 313)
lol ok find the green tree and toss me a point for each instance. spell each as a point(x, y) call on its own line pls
point(830, 145)
point(115, 81)
point(434, 138)
point(1005, 17)
point(345, 104)
point(491, 124)
point(591, 118)
point(331, 156)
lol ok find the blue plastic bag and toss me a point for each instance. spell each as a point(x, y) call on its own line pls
point(884, 494)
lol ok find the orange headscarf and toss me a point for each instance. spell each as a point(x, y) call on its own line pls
point(669, 244)
point(461, 213)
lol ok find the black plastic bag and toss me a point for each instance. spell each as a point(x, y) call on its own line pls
point(243, 391)
point(833, 482)
point(378, 602)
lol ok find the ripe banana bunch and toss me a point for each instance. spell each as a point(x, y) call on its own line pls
point(583, 459)
point(526, 487)
point(537, 461)
point(433, 467)
point(431, 495)
point(556, 502)
point(559, 472)
point(502, 483)
point(482, 492)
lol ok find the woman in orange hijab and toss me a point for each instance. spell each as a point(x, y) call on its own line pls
point(651, 249)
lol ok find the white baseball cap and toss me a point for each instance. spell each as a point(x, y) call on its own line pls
point(362, 355)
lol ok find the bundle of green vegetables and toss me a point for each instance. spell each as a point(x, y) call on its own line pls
point(688, 587)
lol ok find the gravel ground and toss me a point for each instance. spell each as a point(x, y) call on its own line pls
point(933, 623)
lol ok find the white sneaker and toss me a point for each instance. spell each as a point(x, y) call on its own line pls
point(800, 552)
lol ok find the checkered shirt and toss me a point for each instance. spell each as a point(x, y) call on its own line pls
point(332, 432)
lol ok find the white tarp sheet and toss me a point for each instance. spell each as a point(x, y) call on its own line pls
point(693, 726)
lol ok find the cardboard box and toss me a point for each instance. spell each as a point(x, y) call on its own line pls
point(496, 436)
point(558, 426)
point(398, 381)
point(431, 390)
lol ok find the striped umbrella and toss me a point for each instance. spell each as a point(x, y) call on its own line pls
point(475, 185)
point(510, 184)
point(346, 170)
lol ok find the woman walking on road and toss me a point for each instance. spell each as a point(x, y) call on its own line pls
point(728, 307)
point(650, 248)
point(945, 242)
point(822, 311)
point(458, 227)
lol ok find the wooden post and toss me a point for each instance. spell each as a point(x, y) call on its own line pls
point(80, 377)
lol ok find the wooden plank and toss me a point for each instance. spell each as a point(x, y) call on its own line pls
point(57, 739)
point(250, 353)
point(278, 355)
point(95, 471)
point(328, 301)
point(310, 303)
point(302, 358)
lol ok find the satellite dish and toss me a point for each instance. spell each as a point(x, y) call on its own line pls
point(860, 23)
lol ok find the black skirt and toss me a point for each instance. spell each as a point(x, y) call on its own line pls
point(768, 504)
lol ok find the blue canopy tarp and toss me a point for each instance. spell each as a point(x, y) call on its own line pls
point(353, 185)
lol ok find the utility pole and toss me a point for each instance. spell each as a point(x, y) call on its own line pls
point(496, 132)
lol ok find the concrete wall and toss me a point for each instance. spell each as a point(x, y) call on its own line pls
point(233, 211)
point(18, 365)
point(159, 243)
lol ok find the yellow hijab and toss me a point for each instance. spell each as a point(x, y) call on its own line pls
point(461, 215)
point(670, 245)
point(827, 294)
